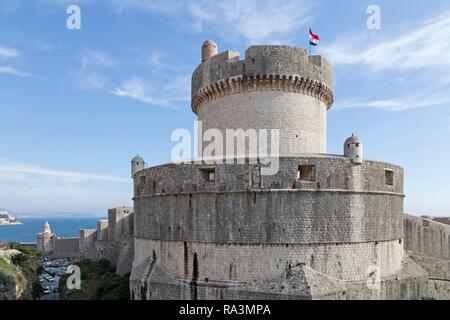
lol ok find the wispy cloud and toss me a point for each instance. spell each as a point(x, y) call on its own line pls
point(8, 53)
point(22, 171)
point(12, 54)
point(28, 188)
point(165, 95)
point(271, 21)
point(397, 104)
point(13, 71)
point(428, 45)
point(96, 58)
point(423, 51)
point(135, 88)
point(233, 20)
point(89, 75)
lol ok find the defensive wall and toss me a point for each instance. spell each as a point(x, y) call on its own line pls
point(112, 240)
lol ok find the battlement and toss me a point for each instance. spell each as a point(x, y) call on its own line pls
point(265, 68)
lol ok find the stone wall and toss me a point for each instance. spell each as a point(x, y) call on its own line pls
point(300, 282)
point(66, 248)
point(345, 204)
point(245, 228)
point(428, 244)
point(427, 237)
point(112, 240)
point(257, 262)
point(301, 119)
point(87, 243)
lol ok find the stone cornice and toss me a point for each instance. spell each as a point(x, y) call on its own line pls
point(238, 84)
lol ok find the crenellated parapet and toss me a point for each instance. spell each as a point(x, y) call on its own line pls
point(265, 68)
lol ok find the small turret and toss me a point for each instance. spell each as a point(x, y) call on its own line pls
point(47, 229)
point(137, 164)
point(353, 149)
point(209, 49)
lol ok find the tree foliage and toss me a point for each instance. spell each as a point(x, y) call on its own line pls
point(98, 282)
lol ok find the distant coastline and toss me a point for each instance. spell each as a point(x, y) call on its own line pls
point(9, 223)
point(30, 227)
point(7, 220)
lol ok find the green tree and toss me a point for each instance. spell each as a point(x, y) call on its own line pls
point(37, 290)
point(98, 282)
point(20, 260)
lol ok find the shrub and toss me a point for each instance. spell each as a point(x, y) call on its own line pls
point(19, 259)
point(6, 279)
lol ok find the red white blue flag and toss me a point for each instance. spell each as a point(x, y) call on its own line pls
point(313, 38)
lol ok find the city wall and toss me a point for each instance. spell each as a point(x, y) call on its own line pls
point(112, 240)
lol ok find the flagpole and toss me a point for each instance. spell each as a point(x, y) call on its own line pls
point(309, 42)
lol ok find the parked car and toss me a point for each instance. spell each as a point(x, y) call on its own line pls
point(46, 290)
point(55, 290)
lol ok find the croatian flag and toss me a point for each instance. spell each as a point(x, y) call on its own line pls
point(313, 38)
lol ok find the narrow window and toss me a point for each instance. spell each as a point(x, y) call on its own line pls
point(143, 180)
point(389, 177)
point(209, 175)
point(306, 173)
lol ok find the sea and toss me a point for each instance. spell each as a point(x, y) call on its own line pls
point(30, 227)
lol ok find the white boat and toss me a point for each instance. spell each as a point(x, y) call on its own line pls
point(6, 219)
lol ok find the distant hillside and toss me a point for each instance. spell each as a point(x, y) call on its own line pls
point(56, 215)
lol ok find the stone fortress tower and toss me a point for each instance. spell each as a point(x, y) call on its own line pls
point(275, 87)
point(44, 239)
point(323, 226)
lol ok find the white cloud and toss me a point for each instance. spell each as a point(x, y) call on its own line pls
point(23, 172)
point(96, 58)
point(234, 20)
point(428, 45)
point(13, 71)
point(270, 21)
point(88, 76)
point(26, 187)
point(397, 104)
point(163, 95)
point(8, 53)
point(136, 88)
point(424, 52)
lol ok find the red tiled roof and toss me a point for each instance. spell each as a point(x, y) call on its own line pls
point(442, 220)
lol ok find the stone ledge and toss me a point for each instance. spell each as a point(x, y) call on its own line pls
point(239, 84)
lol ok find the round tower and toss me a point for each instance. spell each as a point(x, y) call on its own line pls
point(274, 87)
point(209, 49)
point(137, 164)
point(353, 149)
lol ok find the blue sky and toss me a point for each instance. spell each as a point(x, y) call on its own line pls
point(76, 105)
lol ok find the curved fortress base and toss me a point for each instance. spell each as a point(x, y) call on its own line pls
point(322, 227)
point(248, 236)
